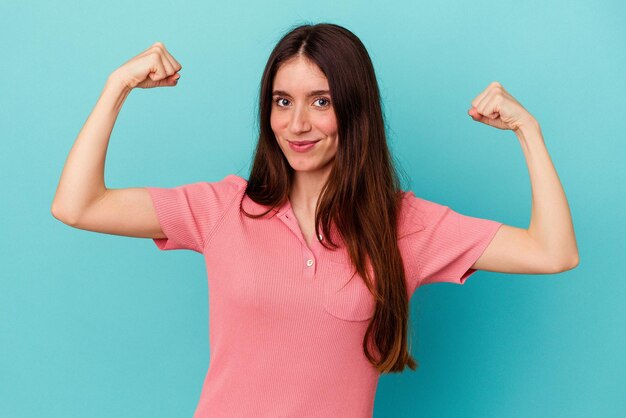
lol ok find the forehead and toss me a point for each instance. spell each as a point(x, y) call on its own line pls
point(299, 75)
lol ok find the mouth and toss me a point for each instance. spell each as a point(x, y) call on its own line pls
point(300, 143)
point(302, 146)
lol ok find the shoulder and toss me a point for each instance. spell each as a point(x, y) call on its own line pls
point(416, 213)
point(207, 196)
point(230, 182)
point(235, 180)
point(228, 186)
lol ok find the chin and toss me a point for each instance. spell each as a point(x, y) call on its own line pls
point(303, 166)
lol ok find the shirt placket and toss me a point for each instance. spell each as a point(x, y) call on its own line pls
point(310, 256)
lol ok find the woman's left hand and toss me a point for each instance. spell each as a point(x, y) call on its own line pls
point(497, 108)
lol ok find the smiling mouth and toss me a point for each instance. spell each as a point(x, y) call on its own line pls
point(303, 142)
point(302, 146)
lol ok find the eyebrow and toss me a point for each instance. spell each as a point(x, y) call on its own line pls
point(311, 93)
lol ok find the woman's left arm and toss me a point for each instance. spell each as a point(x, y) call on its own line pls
point(549, 243)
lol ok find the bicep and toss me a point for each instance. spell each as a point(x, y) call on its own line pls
point(128, 212)
point(512, 250)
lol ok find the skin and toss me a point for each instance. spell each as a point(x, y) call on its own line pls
point(298, 115)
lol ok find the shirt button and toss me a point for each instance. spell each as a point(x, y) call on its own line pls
point(309, 262)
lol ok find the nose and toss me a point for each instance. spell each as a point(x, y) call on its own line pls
point(299, 120)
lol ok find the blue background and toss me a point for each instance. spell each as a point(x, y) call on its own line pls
point(96, 325)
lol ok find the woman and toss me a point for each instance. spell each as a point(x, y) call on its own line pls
point(312, 261)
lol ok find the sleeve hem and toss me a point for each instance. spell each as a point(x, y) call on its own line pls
point(165, 217)
point(478, 251)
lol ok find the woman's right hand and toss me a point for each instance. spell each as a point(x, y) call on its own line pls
point(154, 67)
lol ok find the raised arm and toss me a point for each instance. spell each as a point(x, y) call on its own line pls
point(549, 243)
point(82, 200)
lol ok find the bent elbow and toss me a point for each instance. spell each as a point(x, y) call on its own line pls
point(568, 264)
point(61, 216)
point(574, 262)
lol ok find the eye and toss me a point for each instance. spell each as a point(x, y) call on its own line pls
point(277, 101)
point(324, 99)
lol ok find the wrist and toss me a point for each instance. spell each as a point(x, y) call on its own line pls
point(115, 92)
point(114, 81)
point(528, 128)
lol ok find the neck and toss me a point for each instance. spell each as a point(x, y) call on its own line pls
point(306, 189)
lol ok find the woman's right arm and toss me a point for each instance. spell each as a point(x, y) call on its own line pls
point(82, 200)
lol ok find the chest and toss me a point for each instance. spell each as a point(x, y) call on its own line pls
point(266, 270)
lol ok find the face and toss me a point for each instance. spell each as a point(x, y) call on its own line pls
point(302, 110)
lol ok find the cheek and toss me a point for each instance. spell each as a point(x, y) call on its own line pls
point(277, 121)
point(328, 125)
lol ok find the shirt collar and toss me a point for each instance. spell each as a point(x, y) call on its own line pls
point(253, 207)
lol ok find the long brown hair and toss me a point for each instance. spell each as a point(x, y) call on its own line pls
point(363, 177)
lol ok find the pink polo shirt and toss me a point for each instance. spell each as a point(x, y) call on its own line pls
point(285, 333)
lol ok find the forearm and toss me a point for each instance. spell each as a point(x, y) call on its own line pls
point(82, 179)
point(551, 221)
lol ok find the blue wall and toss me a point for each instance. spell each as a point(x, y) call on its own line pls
point(108, 326)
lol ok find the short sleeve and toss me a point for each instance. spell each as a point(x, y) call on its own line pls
point(450, 242)
point(188, 214)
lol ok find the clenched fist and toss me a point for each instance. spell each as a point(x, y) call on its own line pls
point(497, 108)
point(154, 67)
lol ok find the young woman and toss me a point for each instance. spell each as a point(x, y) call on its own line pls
point(312, 261)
